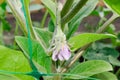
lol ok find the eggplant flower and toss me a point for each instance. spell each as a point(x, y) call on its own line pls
point(59, 47)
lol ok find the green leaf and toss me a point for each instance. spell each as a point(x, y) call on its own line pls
point(39, 54)
point(66, 8)
point(84, 12)
point(114, 5)
point(91, 67)
point(14, 61)
point(8, 77)
point(50, 5)
point(106, 76)
point(101, 51)
point(73, 11)
point(114, 61)
point(51, 26)
point(80, 40)
point(44, 35)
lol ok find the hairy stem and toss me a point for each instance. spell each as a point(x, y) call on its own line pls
point(27, 15)
point(18, 17)
point(79, 54)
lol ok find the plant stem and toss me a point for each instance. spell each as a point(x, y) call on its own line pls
point(105, 25)
point(18, 17)
point(1, 33)
point(73, 12)
point(27, 15)
point(44, 18)
point(79, 54)
point(66, 7)
point(57, 77)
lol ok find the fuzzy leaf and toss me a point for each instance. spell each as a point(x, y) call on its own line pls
point(84, 12)
point(80, 40)
point(39, 54)
point(106, 76)
point(8, 77)
point(91, 67)
point(14, 61)
point(50, 5)
point(45, 36)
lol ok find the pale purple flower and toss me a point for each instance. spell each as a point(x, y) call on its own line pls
point(62, 54)
point(59, 47)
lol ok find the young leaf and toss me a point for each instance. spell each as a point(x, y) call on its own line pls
point(80, 40)
point(73, 11)
point(84, 12)
point(91, 67)
point(15, 61)
point(39, 54)
point(66, 8)
point(50, 5)
point(114, 5)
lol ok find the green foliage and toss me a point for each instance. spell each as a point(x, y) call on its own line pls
point(106, 76)
point(5, 24)
point(66, 8)
point(28, 22)
point(50, 5)
point(100, 51)
point(78, 6)
point(114, 61)
point(114, 5)
point(86, 38)
point(39, 54)
point(51, 26)
point(18, 15)
point(90, 68)
point(8, 77)
point(45, 36)
point(84, 12)
point(13, 61)
point(35, 46)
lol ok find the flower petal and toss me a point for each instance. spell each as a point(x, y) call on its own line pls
point(65, 52)
point(55, 56)
point(60, 57)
